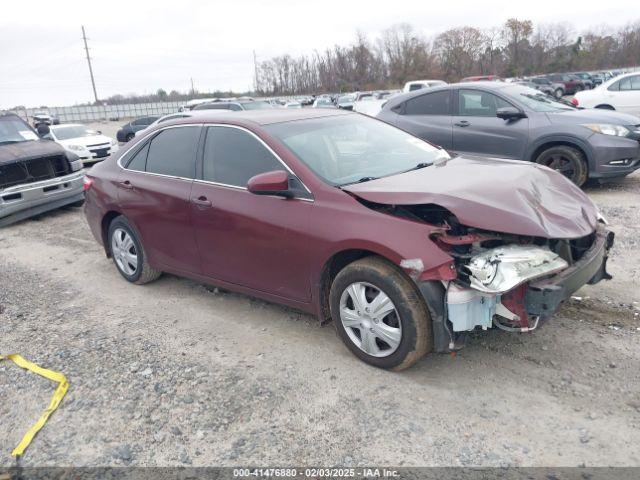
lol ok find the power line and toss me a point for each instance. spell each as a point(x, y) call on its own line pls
point(86, 48)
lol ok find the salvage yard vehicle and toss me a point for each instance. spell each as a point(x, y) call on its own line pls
point(512, 121)
point(36, 175)
point(90, 145)
point(235, 106)
point(405, 248)
point(621, 93)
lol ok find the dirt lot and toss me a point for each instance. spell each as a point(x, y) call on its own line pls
point(178, 373)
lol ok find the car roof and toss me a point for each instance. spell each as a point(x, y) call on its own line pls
point(259, 117)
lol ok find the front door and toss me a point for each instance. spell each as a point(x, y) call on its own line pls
point(477, 129)
point(256, 241)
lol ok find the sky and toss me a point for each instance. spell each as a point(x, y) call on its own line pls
point(139, 46)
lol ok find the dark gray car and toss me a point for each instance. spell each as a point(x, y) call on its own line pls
point(517, 122)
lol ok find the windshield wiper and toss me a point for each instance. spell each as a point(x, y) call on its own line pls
point(366, 179)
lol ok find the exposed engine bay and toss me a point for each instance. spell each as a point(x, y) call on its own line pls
point(494, 270)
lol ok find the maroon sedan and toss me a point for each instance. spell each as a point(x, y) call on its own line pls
point(405, 248)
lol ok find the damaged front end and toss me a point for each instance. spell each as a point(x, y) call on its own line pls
point(513, 282)
point(510, 281)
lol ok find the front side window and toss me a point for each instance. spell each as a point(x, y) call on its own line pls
point(173, 152)
point(480, 104)
point(232, 156)
point(354, 148)
point(436, 103)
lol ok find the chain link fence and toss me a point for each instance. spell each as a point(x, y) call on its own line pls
point(90, 113)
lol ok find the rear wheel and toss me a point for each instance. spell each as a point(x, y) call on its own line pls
point(130, 136)
point(605, 107)
point(128, 254)
point(559, 93)
point(568, 161)
point(379, 314)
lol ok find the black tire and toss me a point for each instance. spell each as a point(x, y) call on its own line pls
point(559, 93)
point(144, 273)
point(605, 107)
point(412, 314)
point(129, 137)
point(568, 161)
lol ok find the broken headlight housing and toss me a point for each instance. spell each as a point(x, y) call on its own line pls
point(501, 269)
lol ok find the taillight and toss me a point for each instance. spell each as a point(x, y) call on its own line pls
point(88, 181)
point(574, 101)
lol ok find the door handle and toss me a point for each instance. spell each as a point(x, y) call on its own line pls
point(462, 123)
point(125, 184)
point(202, 201)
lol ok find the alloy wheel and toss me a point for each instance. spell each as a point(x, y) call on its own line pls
point(124, 251)
point(561, 164)
point(370, 319)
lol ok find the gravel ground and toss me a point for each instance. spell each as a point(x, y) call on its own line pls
point(177, 373)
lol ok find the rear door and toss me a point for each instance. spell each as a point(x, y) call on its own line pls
point(428, 116)
point(154, 194)
point(477, 129)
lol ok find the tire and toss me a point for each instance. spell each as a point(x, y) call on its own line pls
point(141, 272)
point(566, 160)
point(406, 320)
point(129, 137)
point(605, 107)
point(559, 93)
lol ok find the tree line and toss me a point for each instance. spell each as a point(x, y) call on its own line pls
point(401, 53)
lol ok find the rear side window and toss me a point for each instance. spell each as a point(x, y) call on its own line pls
point(436, 103)
point(232, 156)
point(139, 160)
point(173, 152)
point(629, 83)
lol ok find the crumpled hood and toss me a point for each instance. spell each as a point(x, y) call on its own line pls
point(13, 152)
point(492, 194)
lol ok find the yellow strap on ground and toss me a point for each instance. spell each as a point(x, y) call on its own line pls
point(63, 386)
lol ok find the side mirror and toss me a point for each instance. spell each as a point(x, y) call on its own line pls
point(43, 129)
point(509, 113)
point(270, 183)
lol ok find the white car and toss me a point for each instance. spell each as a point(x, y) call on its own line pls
point(372, 104)
point(621, 93)
point(418, 84)
point(90, 145)
point(293, 105)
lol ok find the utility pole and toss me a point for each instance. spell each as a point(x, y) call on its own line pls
point(193, 89)
point(255, 73)
point(86, 48)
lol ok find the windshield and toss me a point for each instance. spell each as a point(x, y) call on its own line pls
point(256, 105)
point(535, 99)
point(14, 130)
point(352, 148)
point(72, 131)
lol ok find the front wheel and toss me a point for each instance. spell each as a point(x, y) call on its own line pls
point(566, 160)
point(559, 93)
point(379, 314)
point(128, 254)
